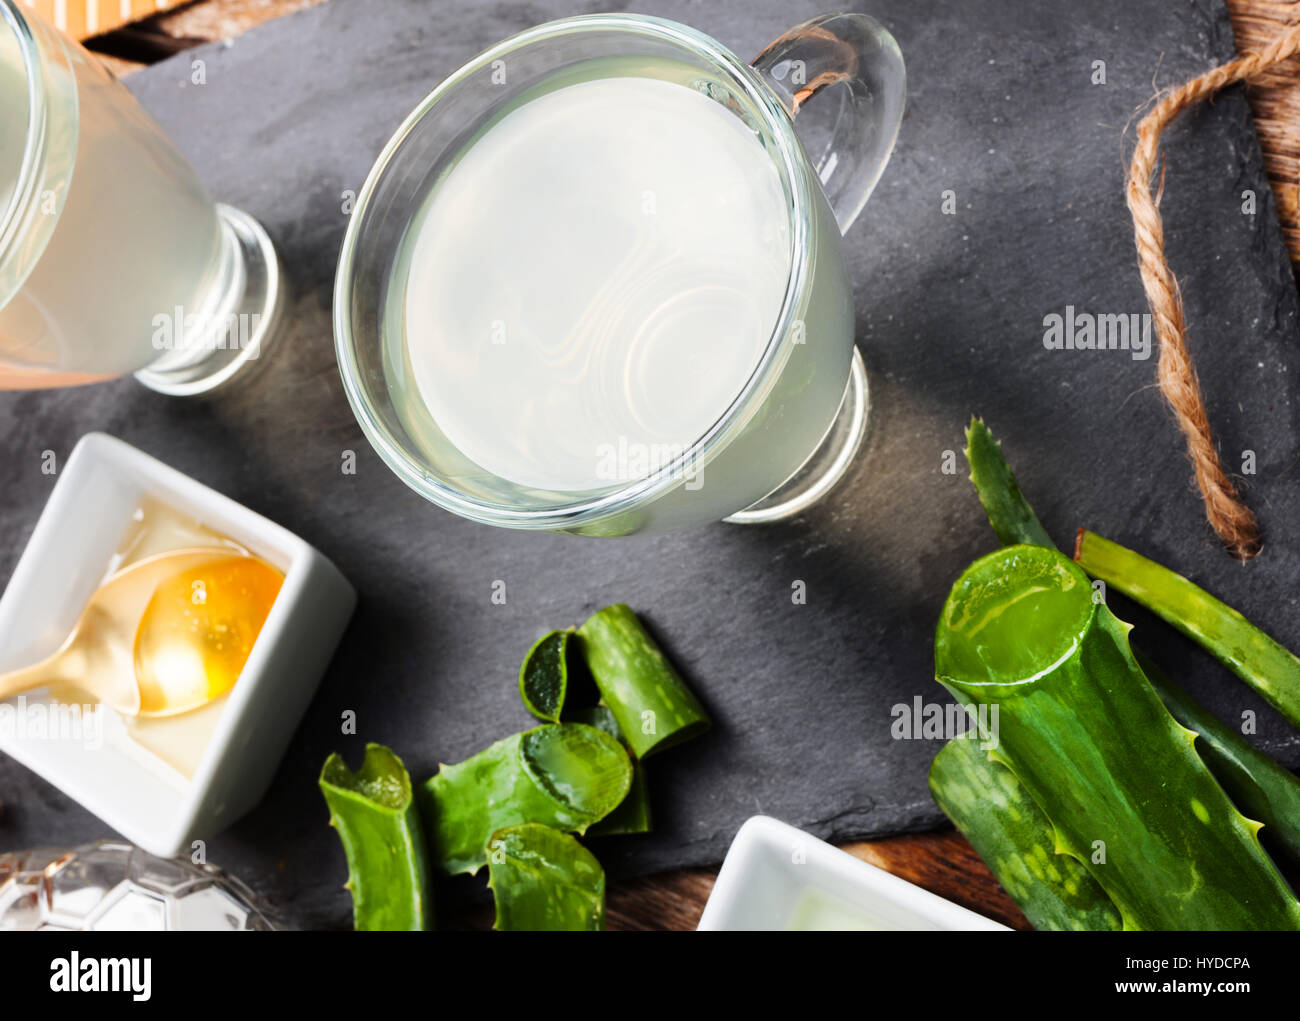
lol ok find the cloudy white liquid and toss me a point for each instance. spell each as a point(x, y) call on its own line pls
point(135, 234)
point(599, 271)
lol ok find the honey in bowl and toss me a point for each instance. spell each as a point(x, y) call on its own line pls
point(176, 743)
point(198, 630)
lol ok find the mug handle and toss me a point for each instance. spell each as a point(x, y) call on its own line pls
point(858, 57)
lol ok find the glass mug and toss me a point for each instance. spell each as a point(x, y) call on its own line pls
point(113, 259)
point(792, 430)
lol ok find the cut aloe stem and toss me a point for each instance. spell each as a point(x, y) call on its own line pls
point(566, 775)
point(544, 676)
point(983, 799)
point(376, 819)
point(1013, 837)
point(633, 814)
point(654, 708)
point(1008, 831)
point(544, 880)
point(1266, 665)
point(1257, 785)
point(1087, 737)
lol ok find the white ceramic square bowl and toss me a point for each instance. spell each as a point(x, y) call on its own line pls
point(99, 489)
point(777, 877)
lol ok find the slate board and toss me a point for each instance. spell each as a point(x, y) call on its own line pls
point(949, 317)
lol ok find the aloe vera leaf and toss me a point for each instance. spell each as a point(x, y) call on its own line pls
point(376, 819)
point(1008, 831)
point(544, 676)
point(1266, 665)
point(652, 704)
point(1087, 737)
point(1008, 511)
point(565, 775)
point(1257, 785)
point(544, 880)
point(1001, 821)
point(633, 813)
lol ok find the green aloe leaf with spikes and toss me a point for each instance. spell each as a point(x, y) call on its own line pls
point(1089, 740)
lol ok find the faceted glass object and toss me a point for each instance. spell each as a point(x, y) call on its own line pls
point(115, 886)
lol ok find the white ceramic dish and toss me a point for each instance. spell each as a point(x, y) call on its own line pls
point(89, 510)
point(779, 877)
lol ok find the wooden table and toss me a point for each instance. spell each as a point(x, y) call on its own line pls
point(943, 862)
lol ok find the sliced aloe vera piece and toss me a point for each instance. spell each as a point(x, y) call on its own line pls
point(633, 814)
point(1085, 734)
point(544, 676)
point(376, 819)
point(565, 775)
point(1257, 785)
point(1266, 665)
point(544, 880)
point(652, 704)
point(992, 810)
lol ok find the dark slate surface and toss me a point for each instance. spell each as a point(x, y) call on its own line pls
point(950, 319)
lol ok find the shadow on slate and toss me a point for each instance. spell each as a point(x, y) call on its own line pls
point(950, 312)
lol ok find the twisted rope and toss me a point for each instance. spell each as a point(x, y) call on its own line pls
point(1230, 518)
